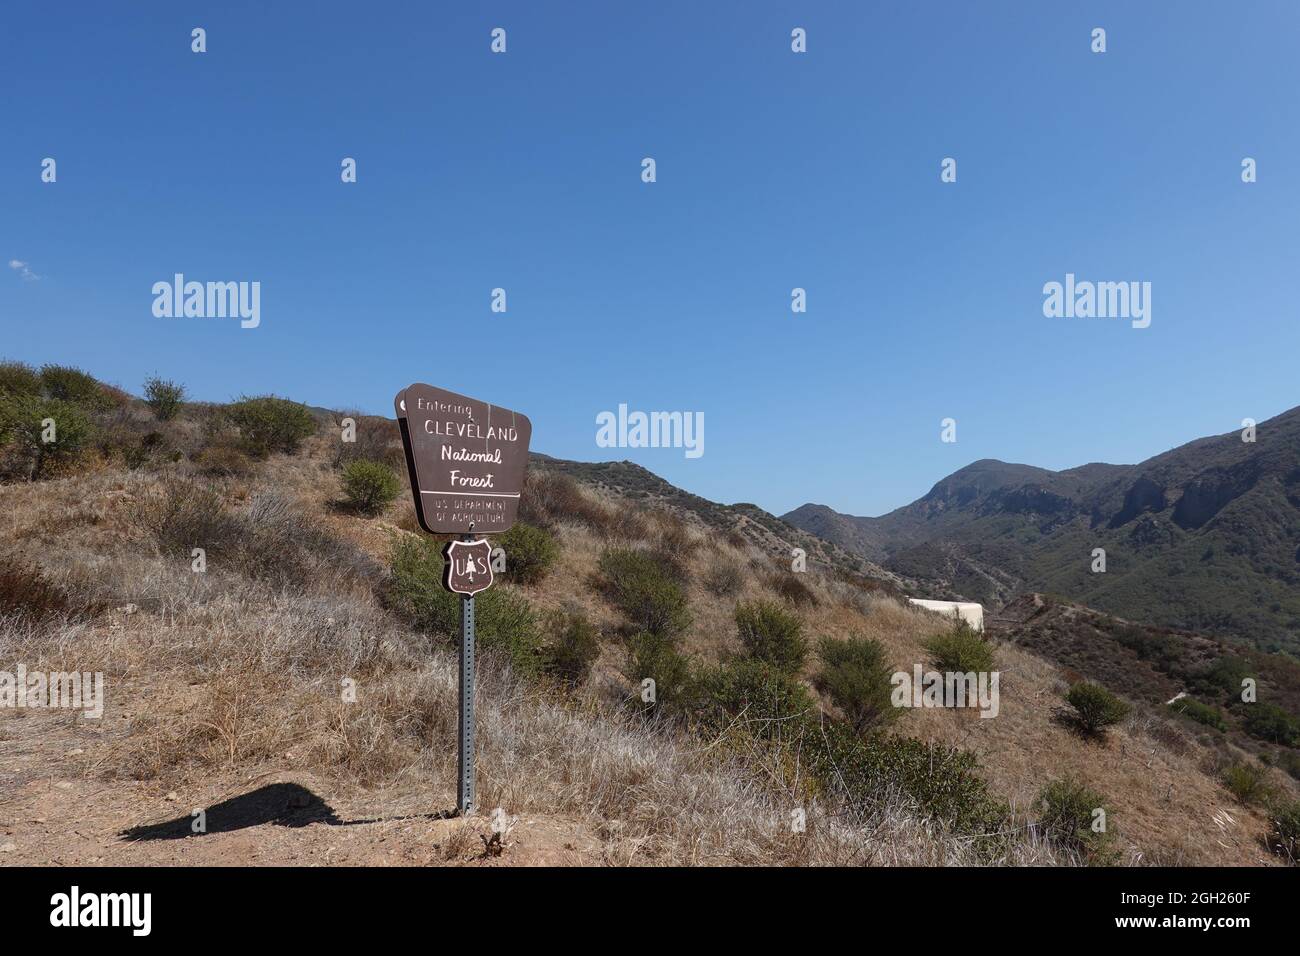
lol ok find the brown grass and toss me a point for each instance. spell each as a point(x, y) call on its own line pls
point(240, 670)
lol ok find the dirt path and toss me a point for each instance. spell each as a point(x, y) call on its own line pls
point(55, 809)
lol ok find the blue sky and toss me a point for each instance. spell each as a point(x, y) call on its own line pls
point(775, 170)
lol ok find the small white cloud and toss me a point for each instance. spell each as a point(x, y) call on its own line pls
point(21, 268)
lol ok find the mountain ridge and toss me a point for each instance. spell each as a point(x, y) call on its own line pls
point(1205, 536)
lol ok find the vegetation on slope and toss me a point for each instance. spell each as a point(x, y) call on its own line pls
point(317, 639)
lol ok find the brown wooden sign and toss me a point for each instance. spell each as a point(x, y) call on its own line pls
point(469, 566)
point(466, 459)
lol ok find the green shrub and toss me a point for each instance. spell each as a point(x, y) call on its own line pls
point(772, 634)
point(1095, 707)
point(1224, 678)
point(1248, 782)
point(18, 378)
point(573, 648)
point(756, 689)
point(504, 621)
point(943, 783)
point(1273, 724)
point(1284, 832)
point(268, 424)
point(1066, 818)
point(868, 772)
point(70, 432)
point(67, 384)
point(530, 552)
point(856, 677)
point(961, 650)
point(1289, 761)
point(163, 397)
point(644, 591)
point(1201, 713)
point(655, 657)
point(369, 486)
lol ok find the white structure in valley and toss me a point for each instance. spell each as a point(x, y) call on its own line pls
point(968, 611)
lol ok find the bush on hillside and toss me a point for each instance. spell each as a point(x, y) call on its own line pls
point(530, 552)
point(369, 486)
point(1271, 723)
point(856, 677)
point(1067, 815)
point(188, 515)
point(29, 422)
point(1284, 830)
point(723, 578)
point(943, 783)
point(268, 539)
point(790, 587)
point(1248, 782)
point(1193, 709)
point(268, 424)
point(961, 650)
point(1223, 678)
point(655, 657)
point(18, 378)
point(224, 459)
point(67, 384)
point(26, 592)
point(374, 439)
point(550, 497)
point(164, 397)
point(1095, 707)
point(644, 591)
point(771, 633)
point(1289, 761)
point(757, 690)
point(573, 647)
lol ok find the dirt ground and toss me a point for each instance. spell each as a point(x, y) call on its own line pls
point(53, 812)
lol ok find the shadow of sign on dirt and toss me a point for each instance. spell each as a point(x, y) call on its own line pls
point(284, 804)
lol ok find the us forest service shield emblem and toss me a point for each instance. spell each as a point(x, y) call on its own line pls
point(469, 566)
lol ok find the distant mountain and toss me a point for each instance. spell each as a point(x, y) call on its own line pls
point(628, 480)
point(1205, 537)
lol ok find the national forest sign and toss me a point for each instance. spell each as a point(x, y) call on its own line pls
point(466, 460)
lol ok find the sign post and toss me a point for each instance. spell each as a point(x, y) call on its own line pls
point(466, 460)
point(468, 571)
point(465, 771)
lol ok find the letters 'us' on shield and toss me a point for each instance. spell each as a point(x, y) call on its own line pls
point(466, 460)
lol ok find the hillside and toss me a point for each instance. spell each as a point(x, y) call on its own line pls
point(224, 684)
point(1205, 537)
point(1143, 662)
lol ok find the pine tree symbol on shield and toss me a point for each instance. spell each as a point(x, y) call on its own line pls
point(469, 566)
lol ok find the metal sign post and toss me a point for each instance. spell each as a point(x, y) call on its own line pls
point(468, 571)
point(465, 798)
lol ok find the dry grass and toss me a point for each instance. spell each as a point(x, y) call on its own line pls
point(242, 668)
